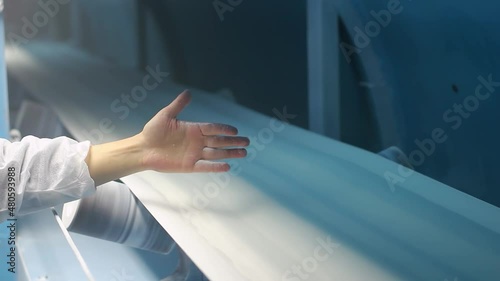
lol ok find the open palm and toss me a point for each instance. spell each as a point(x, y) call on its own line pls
point(172, 145)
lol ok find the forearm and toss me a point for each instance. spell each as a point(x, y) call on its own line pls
point(113, 160)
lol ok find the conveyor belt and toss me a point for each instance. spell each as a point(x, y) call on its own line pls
point(272, 218)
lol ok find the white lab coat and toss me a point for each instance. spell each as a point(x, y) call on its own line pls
point(43, 172)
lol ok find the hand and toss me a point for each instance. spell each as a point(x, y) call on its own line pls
point(172, 145)
point(167, 145)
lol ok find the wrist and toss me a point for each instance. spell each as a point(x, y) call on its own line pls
point(134, 149)
point(138, 145)
point(113, 160)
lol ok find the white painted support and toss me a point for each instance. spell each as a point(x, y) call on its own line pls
point(73, 246)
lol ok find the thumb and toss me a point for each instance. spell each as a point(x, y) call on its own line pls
point(176, 106)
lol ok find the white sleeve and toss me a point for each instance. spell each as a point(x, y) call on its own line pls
point(43, 173)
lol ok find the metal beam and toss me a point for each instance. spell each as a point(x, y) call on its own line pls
point(323, 61)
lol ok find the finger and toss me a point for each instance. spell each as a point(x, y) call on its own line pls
point(203, 166)
point(176, 106)
point(216, 154)
point(211, 129)
point(223, 141)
